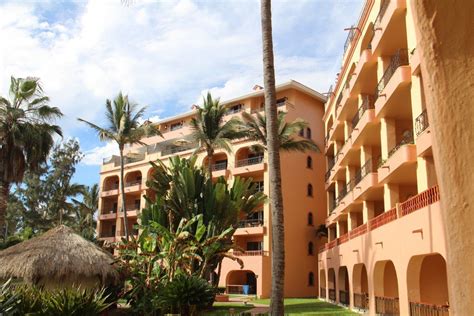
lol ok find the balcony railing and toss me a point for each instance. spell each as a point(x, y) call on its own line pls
point(417, 202)
point(421, 200)
point(383, 9)
point(407, 139)
point(332, 294)
point(425, 309)
point(249, 161)
point(361, 301)
point(344, 238)
point(111, 187)
point(344, 297)
point(322, 292)
point(177, 149)
point(250, 223)
point(339, 98)
point(387, 305)
point(250, 253)
point(350, 38)
point(360, 174)
point(107, 234)
point(367, 104)
point(132, 183)
point(219, 166)
point(397, 60)
point(421, 123)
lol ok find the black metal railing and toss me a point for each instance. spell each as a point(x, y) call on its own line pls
point(344, 297)
point(327, 175)
point(424, 309)
point(250, 223)
point(332, 294)
point(361, 301)
point(249, 161)
point(367, 104)
point(339, 98)
point(322, 292)
point(421, 123)
point(387, 305)
point(342, 194)
point(350, 38)
point(331, 162)
point(333, 205)
point(399, 59)
point(383, 9)
point(219, 166)
point(360, 174)
point(407, 139)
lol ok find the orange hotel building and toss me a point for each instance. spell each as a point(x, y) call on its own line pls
point(303, 189)
point(386, 252)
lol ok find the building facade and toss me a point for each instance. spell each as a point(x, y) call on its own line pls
point(302, 180)
point(386, 250)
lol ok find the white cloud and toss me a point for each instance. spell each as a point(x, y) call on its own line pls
point(96, 155)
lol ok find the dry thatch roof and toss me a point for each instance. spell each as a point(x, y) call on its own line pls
point(58, 254)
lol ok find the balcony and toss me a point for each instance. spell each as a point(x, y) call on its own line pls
point(106, 216)
point(251, 253)
point(366, 178)
point(364, 122)
point(388, 23)
point(133, 186)
point(392, 88)
point(401, 162)
point(418, 308)
point(132, 211)
point(111, 190)
point(364, 72)
point(250, 227)
point(172, 150)
point(423, 134)
point(249, 164)
point(107, 236)
point(219, 169)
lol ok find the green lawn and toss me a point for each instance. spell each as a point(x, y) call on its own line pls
point(293, 306)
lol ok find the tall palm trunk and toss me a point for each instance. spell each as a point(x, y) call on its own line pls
point(210, 155)
point(122, 194)
point(273, 148)
point(4, 194)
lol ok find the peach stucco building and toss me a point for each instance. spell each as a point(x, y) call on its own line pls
point(386, 247)
point(303, 189)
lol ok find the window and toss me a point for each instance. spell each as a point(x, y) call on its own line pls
point(254, 245)
point(309, 162)
point(310, 219)
point(176, 126)
point(308, 132)
point(310, 248)
point(309, 190)
point(259, 185)
point(137, 204)
point(311, 279)
point(234, 109)
point(301, 132)
point(281, 101)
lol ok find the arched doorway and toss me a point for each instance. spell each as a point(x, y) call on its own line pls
point(322, 283)
point(343, 283)
point(427, 285)
point(241, 282)
point(360, 286)
point(332, 285)
point(386, 288)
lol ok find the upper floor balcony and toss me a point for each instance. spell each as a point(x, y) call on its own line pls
point(392, 88)
point(248, 163)
point(423, 134)
point(364, 122)
point(112, 214)
point(365, 179)
point(400, 163)
point(389, 25)
point(248, 227)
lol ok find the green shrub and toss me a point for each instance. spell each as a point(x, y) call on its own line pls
point(186, 295)
point(8, 299)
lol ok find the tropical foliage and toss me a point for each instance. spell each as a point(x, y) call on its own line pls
point(125, 126)
point(26, 133)
point(211, 131)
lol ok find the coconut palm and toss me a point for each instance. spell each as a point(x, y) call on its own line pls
point(26, 133)
point(125, 127)
point(210, 130)
point(273, 149)
point(85, 211)
point(255, 126)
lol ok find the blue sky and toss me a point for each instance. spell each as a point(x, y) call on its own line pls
point(164, 54)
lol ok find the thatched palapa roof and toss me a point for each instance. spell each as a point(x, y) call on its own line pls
point(59, 254)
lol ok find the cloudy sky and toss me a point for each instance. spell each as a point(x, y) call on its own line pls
point(164, 54)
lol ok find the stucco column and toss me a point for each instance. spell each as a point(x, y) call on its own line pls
point(332, 234)
point(410, 26)
point(381, 61)
point(338, 186)
point(352, 220)
point(365, 154)
point(422, 174)
point(390, 195)
point(416, 98)
point(447, 78)
point(388, 137)
point(347, 130)
point(338, 229)
point(367, 211)
point(350, 173)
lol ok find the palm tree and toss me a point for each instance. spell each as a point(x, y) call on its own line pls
point(85, 211)
point(273, 148)
point(124, 128)
point(210, 131)
point(26, 133)
point(255, 126)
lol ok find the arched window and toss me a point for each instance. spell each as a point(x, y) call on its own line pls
point(311, 279)
point(308, 132)
point(310, 219)
point(310, 190)
point(309, 162)
point(302, 132)
point(310, 249)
